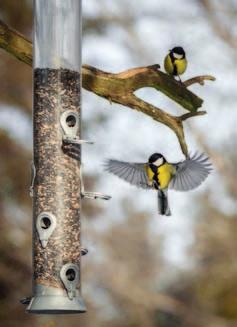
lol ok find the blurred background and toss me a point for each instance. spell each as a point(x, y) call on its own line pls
point(142, 269)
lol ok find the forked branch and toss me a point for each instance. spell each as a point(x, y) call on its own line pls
point(120, 88)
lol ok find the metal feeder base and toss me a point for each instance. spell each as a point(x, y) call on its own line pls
point(49, 300)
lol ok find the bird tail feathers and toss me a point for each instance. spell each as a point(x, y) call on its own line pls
point(163, 204)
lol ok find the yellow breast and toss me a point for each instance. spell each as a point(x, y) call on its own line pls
point(169, 67)
point(163, 176)
point(165, 173)
point(150, 174)
point(181, 65)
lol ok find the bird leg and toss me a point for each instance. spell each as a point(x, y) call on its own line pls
point(180, 79)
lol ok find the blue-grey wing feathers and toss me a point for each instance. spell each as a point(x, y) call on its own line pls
point(133, 173)
point(191, 172)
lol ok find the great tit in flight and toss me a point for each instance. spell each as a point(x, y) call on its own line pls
point(175, 62)
point(160, 175)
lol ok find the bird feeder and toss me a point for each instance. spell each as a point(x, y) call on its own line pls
point(56, 170)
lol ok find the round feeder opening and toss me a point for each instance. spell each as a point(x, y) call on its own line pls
point(70, 274)
point(71, 120)
point(45, 222)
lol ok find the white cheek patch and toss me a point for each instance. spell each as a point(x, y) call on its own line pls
point(177, 56)
point(158, 162)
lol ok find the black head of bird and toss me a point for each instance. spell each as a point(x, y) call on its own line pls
point(157, 159)
point(178, 53)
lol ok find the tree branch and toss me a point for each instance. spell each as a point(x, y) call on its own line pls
point(199, 80)
point(119, 88)
point(129, 81)
point(15, 43)
point(191, 114)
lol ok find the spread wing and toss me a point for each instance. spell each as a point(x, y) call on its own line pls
point(133, 173)
point(191, 172)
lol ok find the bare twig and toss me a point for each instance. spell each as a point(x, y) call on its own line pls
point(199, 80)
point(191, 114)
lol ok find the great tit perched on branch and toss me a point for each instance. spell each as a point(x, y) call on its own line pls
point(175, 62)
point(160, 175)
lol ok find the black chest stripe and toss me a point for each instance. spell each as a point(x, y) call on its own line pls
point(175, 71)
point(155, 177)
